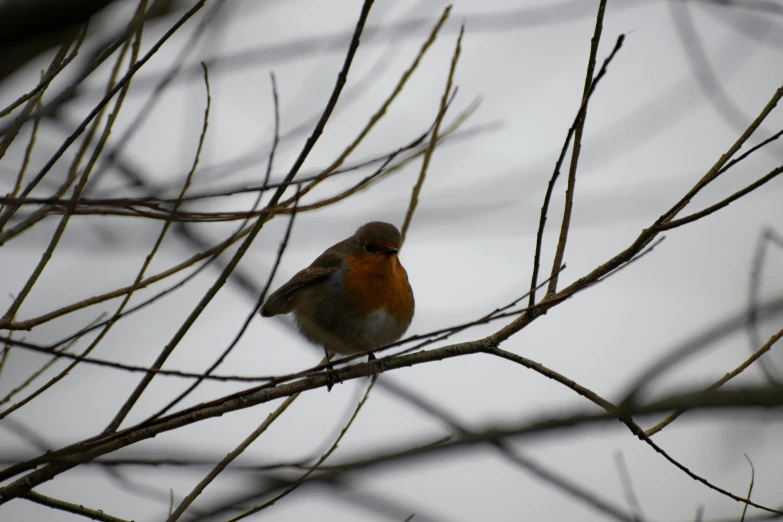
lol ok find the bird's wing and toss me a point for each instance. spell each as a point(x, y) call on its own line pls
point(281, 301)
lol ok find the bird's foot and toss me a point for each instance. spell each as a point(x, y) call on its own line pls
point(332, 377)
point(380, 364)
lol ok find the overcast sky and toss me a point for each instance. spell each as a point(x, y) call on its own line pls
point(688, 80)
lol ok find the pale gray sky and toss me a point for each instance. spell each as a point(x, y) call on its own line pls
point(655, 125)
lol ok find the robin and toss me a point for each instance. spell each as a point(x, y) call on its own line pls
point(355, 297)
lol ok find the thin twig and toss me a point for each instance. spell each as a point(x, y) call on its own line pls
point(188, 500)
point(723, 380)
point(580, 125)
point(276, 139)
point(750, 486)
point(315, 466)
point(433, 140)
point(27, 153)
point(76, 509)
point(750, 151)
point(627, 484)
point(723, 203)
point(768, 237)
point(4, 356)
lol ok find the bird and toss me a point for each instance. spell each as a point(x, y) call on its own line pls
point(355, 297)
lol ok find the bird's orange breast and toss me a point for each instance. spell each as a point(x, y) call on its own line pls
point(374, 282)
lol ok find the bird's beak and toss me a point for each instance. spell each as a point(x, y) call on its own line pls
point(389, 251)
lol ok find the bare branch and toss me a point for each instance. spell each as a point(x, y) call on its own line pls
point(76, 509)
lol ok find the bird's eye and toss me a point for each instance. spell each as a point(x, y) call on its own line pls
point(369, 247)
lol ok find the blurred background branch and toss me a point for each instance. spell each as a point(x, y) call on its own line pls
point(137, 176)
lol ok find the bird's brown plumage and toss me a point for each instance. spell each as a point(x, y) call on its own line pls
point(353, 297)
